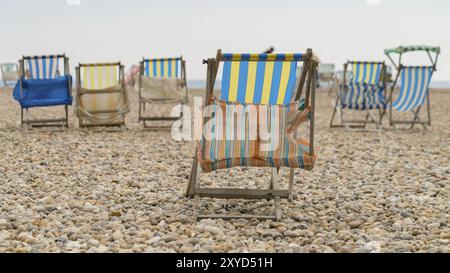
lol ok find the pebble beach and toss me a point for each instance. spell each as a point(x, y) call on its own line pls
point(123, 191)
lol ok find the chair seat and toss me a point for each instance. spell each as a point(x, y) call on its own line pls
point(295, 155)
point(359, 96)
point(44, 93)
point(45, 103)
point(281, 150)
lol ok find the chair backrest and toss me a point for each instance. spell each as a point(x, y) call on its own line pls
point(415, 81)
point(43, 67)
point(100, 76)
point(162, 68)
point(326, 69)
point(268, 79)
point(366, 72)
point(10, 71)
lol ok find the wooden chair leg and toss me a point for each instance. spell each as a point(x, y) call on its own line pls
point(277, 208)
point(193, 178)
point(291, 184)
point(67, 116)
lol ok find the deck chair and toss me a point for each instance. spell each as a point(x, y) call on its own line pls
point(102, 99)
point(414, 85)
point(327, 76)
point(10, 74)
point(264, 81)
point(363, 92)
point(41, 85)
point(161, 82)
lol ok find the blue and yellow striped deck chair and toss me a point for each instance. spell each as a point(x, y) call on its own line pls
point(363, 91)
point(414, 85)
point(257, 81)
point(102, 98)
point(161, 81)
point(42, 85)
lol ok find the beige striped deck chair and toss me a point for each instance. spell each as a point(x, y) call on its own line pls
point(162, 83)
point(102, 99)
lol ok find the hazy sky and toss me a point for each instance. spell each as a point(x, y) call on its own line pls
point(127, 30)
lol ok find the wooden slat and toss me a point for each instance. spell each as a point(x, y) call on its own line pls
point(241, 193)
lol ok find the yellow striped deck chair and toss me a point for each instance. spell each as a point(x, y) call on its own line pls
point(162, 83)
point(102, 99)
point(259, 101)
point(364, 91)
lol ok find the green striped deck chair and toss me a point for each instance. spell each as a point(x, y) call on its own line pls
point(102, 98)
point(258, 101)
point(363, 92)
point(10, 74)
point(413, 81)
point(327, 77)
point(162, 82)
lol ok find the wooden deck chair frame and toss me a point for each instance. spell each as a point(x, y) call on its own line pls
point(4, 78)
point(196, 191)
point(81, 117)
point(143, 102)
point(417, 120)
point(39, 123)
point(357, 124)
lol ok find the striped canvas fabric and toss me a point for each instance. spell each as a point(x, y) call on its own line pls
point(114, 102)
point(366, 73)
point(363, 97)
point(99, 77)
point(259, 78)
point(162, 68)
point(42, 67)
point(246, 143)
point(414, 88)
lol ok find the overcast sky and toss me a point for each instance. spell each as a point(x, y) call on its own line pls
point(127, 30)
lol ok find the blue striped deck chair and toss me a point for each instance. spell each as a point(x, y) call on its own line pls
point(102, 99)
point(414, 82)
point(45, 81)
point(161, 82)
point(364, 91)
point(263, 86)
point(10, 73)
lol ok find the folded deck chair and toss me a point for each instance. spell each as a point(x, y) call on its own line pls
point(102, 99)
point(262, 86)
point(327, 76)
point(161, 81)
point(10, 73)
point(40, 85)
point(363, 92)
point(414, 85)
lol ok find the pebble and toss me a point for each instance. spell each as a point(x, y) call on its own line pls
point(98, 192)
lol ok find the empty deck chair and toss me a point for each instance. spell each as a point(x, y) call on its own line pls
point(414, 85)
point(327, 76)
point(102, 99)
point(363, 92)
point(263, 86)
point(41, 85)
point(10, 74)
point(161, 82)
